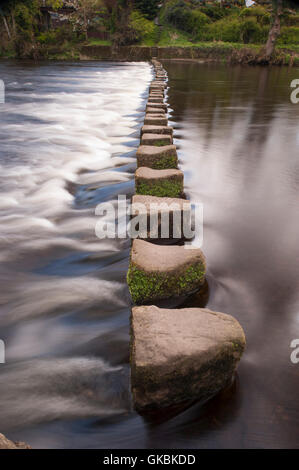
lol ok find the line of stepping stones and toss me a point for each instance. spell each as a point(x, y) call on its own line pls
point(178, 355)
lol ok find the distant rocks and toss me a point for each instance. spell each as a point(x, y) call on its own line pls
point(7, 444)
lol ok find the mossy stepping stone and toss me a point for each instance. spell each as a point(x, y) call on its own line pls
point(161, 183)
point(181, 355)
point(156, 139)
point(156, 130)
point(159, 158)
point(165, 219)
point(159, 272)
point(159, 119)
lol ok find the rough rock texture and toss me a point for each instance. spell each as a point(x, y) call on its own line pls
point(159, 272)
point(161, 183)
point(156, 130)
point(159, 158)
point(160, 120)
point(181, 355)
point(7, 444)
point(156, 139)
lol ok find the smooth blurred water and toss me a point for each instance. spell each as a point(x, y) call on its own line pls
point(69, 132)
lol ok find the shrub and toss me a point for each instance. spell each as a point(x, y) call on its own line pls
point(142, 27)
point(149, 8)
point(289, 35)
point(181, 16)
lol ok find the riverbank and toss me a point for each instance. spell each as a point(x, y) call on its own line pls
point(231, 53)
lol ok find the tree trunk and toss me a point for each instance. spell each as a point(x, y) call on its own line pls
point(274, 31)
point(6, 27)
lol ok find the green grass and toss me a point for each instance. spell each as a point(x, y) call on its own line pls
point(98, 42)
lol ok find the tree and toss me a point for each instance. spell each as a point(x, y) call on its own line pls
point(275, 28)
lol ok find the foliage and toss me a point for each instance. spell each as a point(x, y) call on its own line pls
point(149, 8)
point(143, 27)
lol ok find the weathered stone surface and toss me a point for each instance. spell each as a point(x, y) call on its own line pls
point(157, 130)
point(152, 110)
point(156, 139)
point(161, 183)
point(159, 272)
point(181, 355)
point(159, 158)
point(7, 444)
point(158, 119)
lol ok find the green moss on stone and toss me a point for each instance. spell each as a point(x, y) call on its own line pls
point(165, 162)
point(159, 188)
point(147, 287)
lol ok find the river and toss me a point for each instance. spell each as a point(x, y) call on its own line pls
point(68, 135)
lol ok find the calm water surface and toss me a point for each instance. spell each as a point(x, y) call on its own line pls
point(68, 137)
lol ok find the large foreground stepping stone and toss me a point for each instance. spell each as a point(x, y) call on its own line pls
point(160, 120)
point(161, 183)
point(159, 158)
point(158, 272)
point(156, 139)
point(181, 355)
point(157, 130)
point(7, 444)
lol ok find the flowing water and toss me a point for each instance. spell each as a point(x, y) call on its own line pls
point(68, 136)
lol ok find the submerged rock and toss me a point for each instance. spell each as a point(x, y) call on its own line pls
point(159, 158)
point(158, 272)
point(161, 183)
point(156, 139)
point(181, 355)
point(7, 444)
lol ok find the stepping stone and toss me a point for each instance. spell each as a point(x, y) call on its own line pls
point(159, 158)
point(160, 218)
point(160, 120)
point(161, 183)
point(150, 110)
point(7, 444)
point(157, 130)
point(161, 106)
point(153, 99)
point(156, 88)
point(182, 355)
point(158, 83)
point(158, 272)
point(156, 139)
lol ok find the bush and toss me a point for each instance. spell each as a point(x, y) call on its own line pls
point(181, 16)
point(142, 27)
point(234, 30)
point(149, 8)
point(289, 35)
point(215, 12)
point(262, 16)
